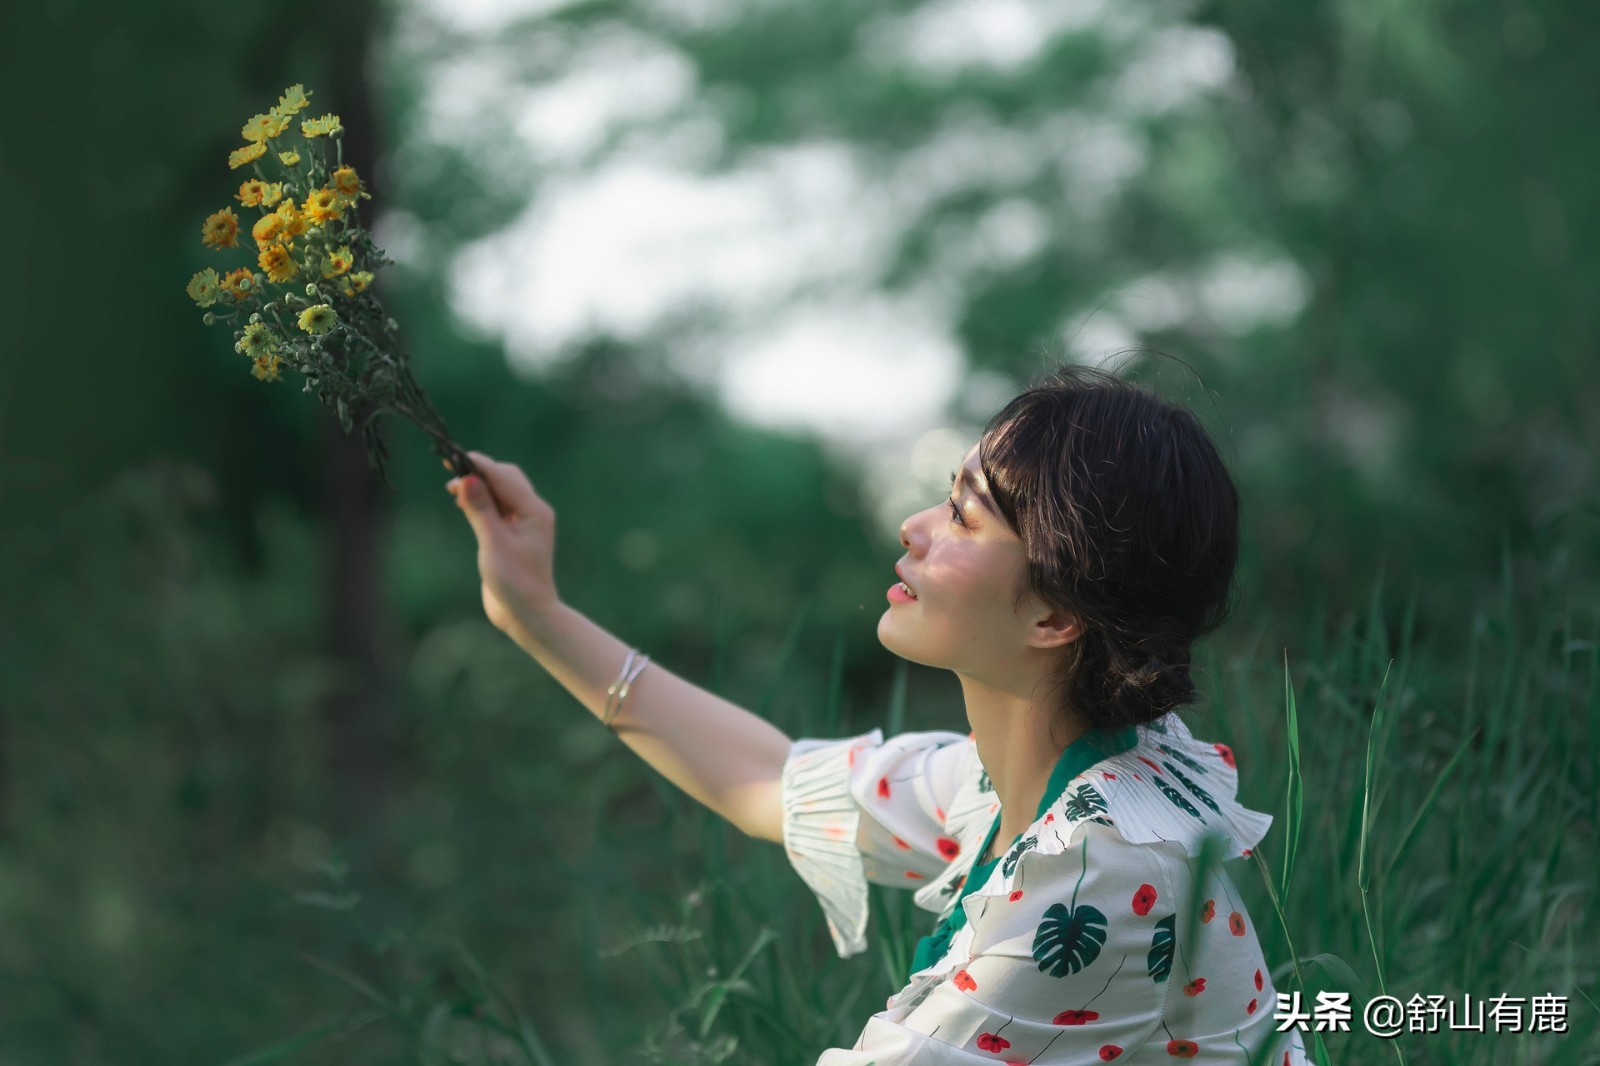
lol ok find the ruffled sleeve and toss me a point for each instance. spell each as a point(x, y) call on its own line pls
point(862, 810)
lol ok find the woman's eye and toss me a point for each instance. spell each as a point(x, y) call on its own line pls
point(956, 513)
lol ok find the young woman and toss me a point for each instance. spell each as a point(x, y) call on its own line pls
point(1070, 841)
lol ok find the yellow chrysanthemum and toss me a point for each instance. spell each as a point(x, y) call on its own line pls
point(294, 223)
point(256, 340)
point(261, 127)
point(320, 127)
point(346, 183)
point(241, 284)
point(251, 192)
point(354, 283)
point(289, 159)
point(267, 229)
point(277, 263)
point(272, 194)
point(294, 98)
point(267, 367)
point(318, 318)
point(220, 230)
point(323, 206)
point(204, 288)
point(339, 260)
point(248, 154)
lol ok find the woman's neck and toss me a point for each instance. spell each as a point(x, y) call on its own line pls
point(1012, 734)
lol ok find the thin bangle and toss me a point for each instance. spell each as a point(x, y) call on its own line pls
point(619, 688)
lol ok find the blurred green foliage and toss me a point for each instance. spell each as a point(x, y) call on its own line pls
point(179, 878)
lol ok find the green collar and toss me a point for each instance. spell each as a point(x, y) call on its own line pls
point(1080, 755)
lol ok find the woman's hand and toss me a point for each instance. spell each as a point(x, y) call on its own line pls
point(516, 531)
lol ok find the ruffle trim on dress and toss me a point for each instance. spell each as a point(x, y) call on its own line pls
point(1172, 786)
point(821, 820)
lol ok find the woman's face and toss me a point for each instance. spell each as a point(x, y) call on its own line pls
point(965, 574)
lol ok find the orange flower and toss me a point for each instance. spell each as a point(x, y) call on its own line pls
point(278, 263)
point(240, 284)
point(266, 367)
point(294, 223)
point(346, 183)
point(323, 206)
point(221, 230)
point(266, 229)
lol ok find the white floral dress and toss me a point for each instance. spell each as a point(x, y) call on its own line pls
point(1086, 941)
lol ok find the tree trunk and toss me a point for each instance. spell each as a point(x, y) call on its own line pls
point(358, 727)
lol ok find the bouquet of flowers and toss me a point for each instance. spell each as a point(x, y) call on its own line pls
point(306, 301)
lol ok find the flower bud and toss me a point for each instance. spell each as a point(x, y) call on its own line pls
point(257, 317)
point(209, 319)
point(311, 288)
point(392, 324)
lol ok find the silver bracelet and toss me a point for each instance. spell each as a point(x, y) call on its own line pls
point(619, 688)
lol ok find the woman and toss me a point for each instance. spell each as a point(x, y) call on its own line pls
point(1069, 841)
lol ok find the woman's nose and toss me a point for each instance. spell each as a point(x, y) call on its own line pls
point(907, 528)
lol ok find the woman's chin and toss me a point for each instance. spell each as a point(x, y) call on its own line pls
point(897, 644)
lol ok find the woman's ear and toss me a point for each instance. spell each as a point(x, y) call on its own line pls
point(1055, 627)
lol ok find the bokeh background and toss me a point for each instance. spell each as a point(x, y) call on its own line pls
point(737, 284)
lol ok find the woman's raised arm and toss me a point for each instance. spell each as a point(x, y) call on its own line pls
point(715, 751)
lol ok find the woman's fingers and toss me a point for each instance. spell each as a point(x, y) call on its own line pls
point(508, 483)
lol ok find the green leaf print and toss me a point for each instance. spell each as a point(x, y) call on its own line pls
point(984, 784)
point(1162, 946)
point(1015, 853)
point(1176, 797)
point(1198, 768)
point(1082, 802)
point(1200, 793)
point(1069, 938)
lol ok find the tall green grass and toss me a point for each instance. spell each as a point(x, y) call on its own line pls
point(1434, 835)
point(542, 896)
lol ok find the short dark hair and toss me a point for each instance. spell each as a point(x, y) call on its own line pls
point(1129, 518)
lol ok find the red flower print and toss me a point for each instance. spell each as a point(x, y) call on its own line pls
point(1258, 980)
point(1251, 1008)
point(939, 811)
point(1076, 1017)
point(1144, 899)
point(1048, 818)
point(964, 981)
point(1245, 854)
point(1109, 776)
point(914, 875)
point(1236, 923)
point(948, 848)
point(883, 787)
point(1210, 912)
point(852, 756)
point(1109, 1052)
point(1227, 754)
point(1016, 895)
point(1195, 987)
point(1182, 1049)
point(902, 844)
point(1136, 777)
point(992, 1042)
point(1150, 764)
